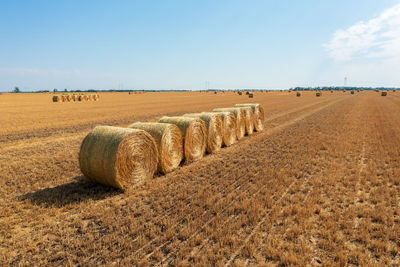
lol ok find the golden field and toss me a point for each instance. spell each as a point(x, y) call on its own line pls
point(319, 186)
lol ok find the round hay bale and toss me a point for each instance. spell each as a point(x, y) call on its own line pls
point(258, 113)
point(95, 97)
point(228, 128)
point(384, 93)
point(64, 98)
point(168, 138)
point(69, 98)
point(118, 157)
point(56, 98)
point(90, 97)
point(74, 97)
point(249, 119)
point(80, 98)
point(213, 124)
point(298, 94)
point(194, 135)
point(85, 97)
point(240, 120)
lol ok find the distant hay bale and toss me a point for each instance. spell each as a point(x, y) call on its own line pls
point(258, 112)
point(194, 135)
point(331, 91)
point(85, 97)
point(74, 97)
point(251, 95)
point(298, 94)
point(118, 157)
point(80, 98)
point(214, 128)
point(384, 93)
point(64, 98)
point(394, 90)
point(69, 98)
point(318, 94)
point(240, 120)
point(239, 93)
point(90, 97)
point(169, 142)
point(229, 128)
point(249, 118)
point(56, 98)
point(352, 92)
point(95, 97)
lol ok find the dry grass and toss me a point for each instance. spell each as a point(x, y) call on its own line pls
point(319, 186)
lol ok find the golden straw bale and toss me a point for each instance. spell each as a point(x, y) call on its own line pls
point(240, 120)
point(169, 143)
point(194, 135)
point(258, 111)
point(74, 97)
point(228, 128)
point(56, 98)
point(86, 97)
point(213, 124)
point(118, 157)
point(80, 98)
point(249, 119)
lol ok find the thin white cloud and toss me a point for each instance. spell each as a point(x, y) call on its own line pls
point(376, 38)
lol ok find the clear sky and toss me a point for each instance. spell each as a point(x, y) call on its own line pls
point(181, 44)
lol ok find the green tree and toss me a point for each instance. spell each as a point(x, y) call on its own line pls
point(16, 90)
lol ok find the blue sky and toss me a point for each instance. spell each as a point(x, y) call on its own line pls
point(182, 44)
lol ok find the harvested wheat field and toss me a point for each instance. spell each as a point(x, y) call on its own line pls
point(318, 186)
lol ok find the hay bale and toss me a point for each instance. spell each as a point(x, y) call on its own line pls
point(85, 97)
point(384, 93)
point(352, 92)
point(298, 94)
point(74, 97)
point(249, 119)
point(56, 98)
point(318, 94)
point(258, 113)
point(194, 135)
point(80, 98)
point(214, 128)
point(251, 95)
point(95, 97)
point(240, 120)
point(228, 128)
point(169, 142)
point(64, 98)
point(118, 157)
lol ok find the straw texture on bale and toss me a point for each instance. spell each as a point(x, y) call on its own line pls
point(194, 135)
point(228, 128)
point(213, 124)
point(168, 138)
point(80, 98)
point(118, 157)
point(56, 98)
point(74, 97)
point(64, 98)
point(258, 112)
point(240, 120)
point(86, 97)
point(249, 119)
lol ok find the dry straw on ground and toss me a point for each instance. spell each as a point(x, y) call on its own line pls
point(258, 111)
point(249, 119)
point(213, 124)
point(228, 128)
point(169, 143)
point(240, 120)
point(118, 157)
point(194, 136)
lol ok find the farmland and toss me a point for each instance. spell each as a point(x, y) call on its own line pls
point(319, 186)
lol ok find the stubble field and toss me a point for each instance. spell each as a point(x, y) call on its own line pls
point(319, 186)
